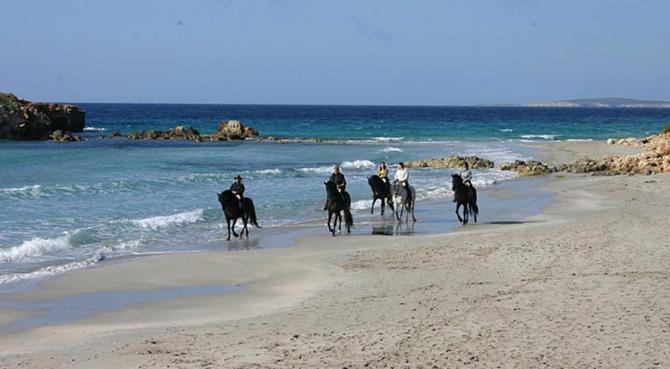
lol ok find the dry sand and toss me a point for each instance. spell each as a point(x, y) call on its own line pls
point(583, 285)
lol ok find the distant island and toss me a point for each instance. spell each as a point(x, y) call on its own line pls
point(606, 102)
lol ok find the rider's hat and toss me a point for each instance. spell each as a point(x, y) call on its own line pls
point(237, 177)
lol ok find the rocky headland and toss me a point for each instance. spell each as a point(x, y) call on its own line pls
point(26, 120)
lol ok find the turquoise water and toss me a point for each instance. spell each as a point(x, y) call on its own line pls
point(68, 206)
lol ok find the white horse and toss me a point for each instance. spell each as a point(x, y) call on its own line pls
point(402, 201)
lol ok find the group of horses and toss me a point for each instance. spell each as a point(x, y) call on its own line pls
point(338, 204)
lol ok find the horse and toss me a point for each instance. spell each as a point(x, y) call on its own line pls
point(466, 196)
point(231, 209)
point(403, 201)
point(380, 191)
point(335, 204)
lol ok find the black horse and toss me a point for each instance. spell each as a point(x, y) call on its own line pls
point(380, 191)
point(336, 203)
point(466, 196)
point(231, 209)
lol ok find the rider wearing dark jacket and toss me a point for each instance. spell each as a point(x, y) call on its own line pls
point(237, 188)
point(340, 182)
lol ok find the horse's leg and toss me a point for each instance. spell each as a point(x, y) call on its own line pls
point(372, 208)
point(413, 202)
point(339, 226)
point(330, 215)
point(228, 222)
point(245, 229)
point(383, 204)
point(458, 205)
point(233, 228)
point(466, 213)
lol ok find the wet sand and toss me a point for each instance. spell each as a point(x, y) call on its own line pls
point(583, 284)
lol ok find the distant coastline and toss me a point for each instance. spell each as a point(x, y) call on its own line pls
point(607, 102)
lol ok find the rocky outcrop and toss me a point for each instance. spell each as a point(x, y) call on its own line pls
point(528, 168)
point(177, 133)
point(233, 130)
point(656, 159)
point(228, 130)
point(454, 161)
point(60, 136)
point(25, 120)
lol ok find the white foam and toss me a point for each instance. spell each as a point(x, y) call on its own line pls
point(33, 191)
point(361, 205)
point(544, 137)
point(162, 221)
point(388, 139)
point(51, 270)
point(506, 130)
point(316, 169)
point(357, 164)
point(95, 129)
point(269, 171)
point(579, 139)
point(391, 149)
point(34, 248)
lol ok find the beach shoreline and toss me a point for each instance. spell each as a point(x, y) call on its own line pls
point(448, 300)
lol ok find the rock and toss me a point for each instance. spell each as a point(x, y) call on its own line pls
point(60, 136)
point(611, 141)
point(116, 134)
point(530, 168)
point(25, 120)
point(454, 161)
point(234, 130)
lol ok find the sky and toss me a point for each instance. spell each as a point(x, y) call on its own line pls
point(443, 52)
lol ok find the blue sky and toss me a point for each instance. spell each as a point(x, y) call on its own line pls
point(334, 52)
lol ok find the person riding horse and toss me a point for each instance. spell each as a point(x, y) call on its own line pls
point(466, 175)
point(237, 188)
point(340, 182)
point(402, 176)
point(383, 173)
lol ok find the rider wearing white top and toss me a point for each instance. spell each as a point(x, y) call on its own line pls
point(402, 176)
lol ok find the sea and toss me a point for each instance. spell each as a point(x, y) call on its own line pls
point(67, 206)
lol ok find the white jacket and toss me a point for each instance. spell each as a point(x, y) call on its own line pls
point(401, 175)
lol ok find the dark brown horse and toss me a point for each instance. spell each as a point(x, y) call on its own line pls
point(232, 210)
point(380, 191)
point(337, 203)
point(466, 196)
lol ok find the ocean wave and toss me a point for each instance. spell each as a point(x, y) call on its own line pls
point(34, 248)
point(95, 129)
point(579, 140)
point(357, 164)
point(388, 139)
point(544, 137)
point(268, 171)
point(391, 149)
point(32, 192)
point(162, 221)
point(506, 130)
point(51, 270)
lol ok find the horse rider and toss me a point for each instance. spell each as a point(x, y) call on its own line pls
point(466, 176)
point(402, 176)
point(340, 183)
point(237, 188)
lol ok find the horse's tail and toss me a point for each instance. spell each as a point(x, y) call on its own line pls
point(348, 218)
point(252, 214)
point(474, 206)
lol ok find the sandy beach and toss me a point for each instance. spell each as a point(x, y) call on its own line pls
point(582, 285)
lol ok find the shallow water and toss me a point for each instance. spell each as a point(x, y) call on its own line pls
point(68, 206)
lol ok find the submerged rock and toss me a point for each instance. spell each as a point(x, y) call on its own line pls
point(454, 161)
point(25, 120)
